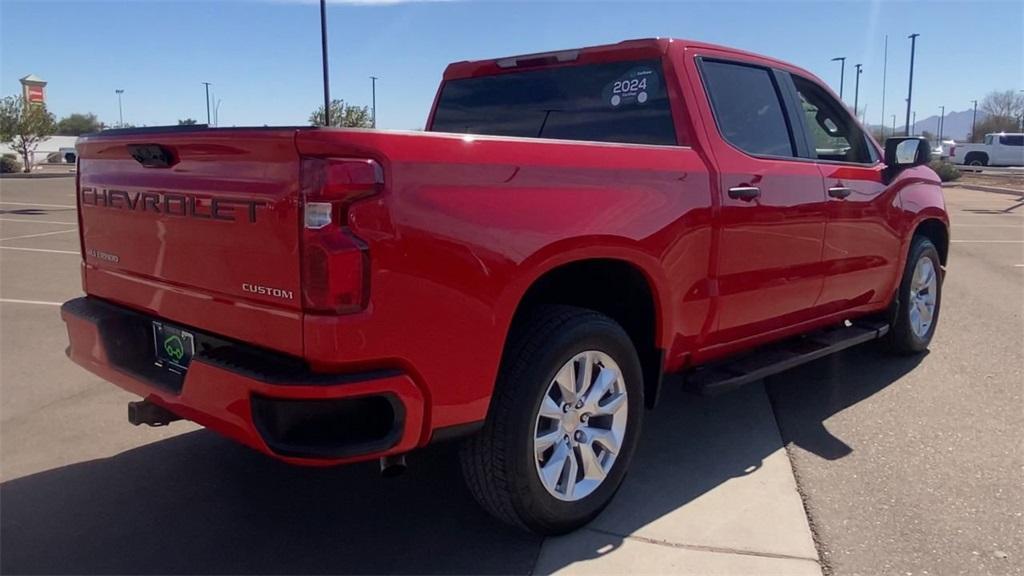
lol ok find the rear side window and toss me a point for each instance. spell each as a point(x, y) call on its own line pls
point(610, 102)
point(1011, 140)
point(747, 108)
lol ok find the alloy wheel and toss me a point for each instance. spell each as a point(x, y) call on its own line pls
point(580, 426)
point(923, 296)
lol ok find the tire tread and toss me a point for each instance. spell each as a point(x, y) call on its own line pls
point(484, 456)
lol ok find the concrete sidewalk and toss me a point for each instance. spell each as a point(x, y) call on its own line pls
point(710, 492)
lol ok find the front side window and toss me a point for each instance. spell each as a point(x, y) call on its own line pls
point(834, 133)
point(1015, 140)
point(747, 108)
point(610, 102)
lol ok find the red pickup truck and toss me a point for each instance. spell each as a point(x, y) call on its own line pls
point(570, 228)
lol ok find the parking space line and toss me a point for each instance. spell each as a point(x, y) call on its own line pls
point(963, 225)
point(38, 235)
point(987, 241)
point(36, 221)
point(39, 302)
point(43, 205)
point(73, 253)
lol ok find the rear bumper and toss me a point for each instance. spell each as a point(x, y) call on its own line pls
point(270, 402)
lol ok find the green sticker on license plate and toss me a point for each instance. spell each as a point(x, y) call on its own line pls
point(174, 347)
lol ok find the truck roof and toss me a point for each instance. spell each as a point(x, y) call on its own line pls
point(627, 49)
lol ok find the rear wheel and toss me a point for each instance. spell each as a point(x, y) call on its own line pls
point(920, 298)
point(975, 159)
point(563, 423)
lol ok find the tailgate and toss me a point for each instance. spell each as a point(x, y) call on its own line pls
point(198, 226)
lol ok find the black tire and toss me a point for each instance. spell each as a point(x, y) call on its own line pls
point(976, 159)
point(499, 462)
point(902, 337)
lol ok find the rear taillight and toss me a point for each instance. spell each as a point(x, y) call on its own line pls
point(335, 263)
point(78, 213)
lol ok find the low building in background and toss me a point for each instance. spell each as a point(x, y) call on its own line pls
point(58, 146)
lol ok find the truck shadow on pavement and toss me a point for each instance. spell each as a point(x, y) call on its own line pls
point(197, 503)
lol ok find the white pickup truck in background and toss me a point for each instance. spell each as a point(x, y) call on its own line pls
point(998, 150)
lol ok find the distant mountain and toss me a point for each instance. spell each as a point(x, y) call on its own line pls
point(957, 125)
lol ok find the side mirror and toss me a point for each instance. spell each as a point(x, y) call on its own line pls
point(902, 153)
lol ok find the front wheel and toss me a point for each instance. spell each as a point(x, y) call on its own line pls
point(563, 423)
point(920, 297)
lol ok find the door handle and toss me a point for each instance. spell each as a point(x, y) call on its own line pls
point(839, 192)
point(745, 193)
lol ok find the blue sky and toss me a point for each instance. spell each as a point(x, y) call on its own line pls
point(263, 57)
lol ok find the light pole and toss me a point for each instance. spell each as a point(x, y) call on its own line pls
point(893, 124)
point(856, 89)
point(885, 74)
point(120, 109)
point(974, 120)
point(842, 73)
point(373, 108)
point(942, 121)
point(913, 123)
point(207, 84)
point(910, 88)
point(323, 51)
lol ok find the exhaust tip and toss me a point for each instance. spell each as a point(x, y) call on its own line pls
point(392, 466)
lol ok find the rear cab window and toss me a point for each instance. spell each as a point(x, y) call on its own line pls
point(1015, 140)
point(623, 102)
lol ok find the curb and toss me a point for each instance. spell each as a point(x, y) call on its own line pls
point(980, 188)
point(23, 176)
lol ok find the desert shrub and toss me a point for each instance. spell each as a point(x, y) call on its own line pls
point(9, 163)
point(946, 170)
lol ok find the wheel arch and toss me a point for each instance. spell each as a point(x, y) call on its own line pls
point(617, 283)
point(976, 154)
point(936, 231)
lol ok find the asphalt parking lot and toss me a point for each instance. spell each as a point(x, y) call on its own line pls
point(901, 466)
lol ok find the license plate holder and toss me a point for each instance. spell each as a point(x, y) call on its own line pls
point(173, 347)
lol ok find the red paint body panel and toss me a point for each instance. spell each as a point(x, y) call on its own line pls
point(220, 399)
point(189, 268)
point(461, 229)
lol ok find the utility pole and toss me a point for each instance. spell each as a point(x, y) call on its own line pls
point(974, 121)
point(842, 73)
point(856, 89)
point(942, 121)
point(885, 71)
point(323, 50)
point(893, 124)
point(910, 88)
point(120, 110)
point(373, 108)
point(207, 84)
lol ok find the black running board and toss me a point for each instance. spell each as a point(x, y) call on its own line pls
point(728, 375)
